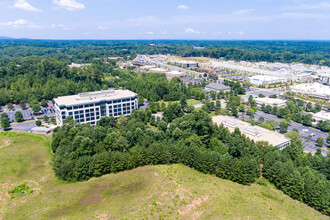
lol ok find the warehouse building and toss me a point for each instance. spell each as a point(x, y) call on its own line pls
point(321, 116)
point(174, 74)
point(216, 87)
point(187, 64)
point(255, 133)
point(315, 90)
point(91, 106)
point(272, 102)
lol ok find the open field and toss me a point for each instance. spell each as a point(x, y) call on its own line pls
point(150, 192)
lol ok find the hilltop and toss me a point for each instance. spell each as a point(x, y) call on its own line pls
point(153, 192)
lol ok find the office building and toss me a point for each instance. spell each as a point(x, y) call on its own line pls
point(91, 106)
point(272, 102)
point(216, 87)
point(255, 133)
point(187, 64)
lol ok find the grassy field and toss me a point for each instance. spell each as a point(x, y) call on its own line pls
point(189, 102)
point(150, 192)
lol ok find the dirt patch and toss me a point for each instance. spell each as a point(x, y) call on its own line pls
point(5, 143)
point(194, 205)
point(93, 196)
point(102, 216)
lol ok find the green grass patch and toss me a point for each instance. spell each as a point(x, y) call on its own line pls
point(189, 102)
point(20, 190)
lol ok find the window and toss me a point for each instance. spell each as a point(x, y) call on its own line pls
point(75, 112)
point(92, 118)
point(75, 107)
point(62, 107)
point(87, 110)
point(63, 113)
point(92, 114)
point(97, 117)
point(70, 113)
point(87, 115)
point(81, 111)
point(69, 108)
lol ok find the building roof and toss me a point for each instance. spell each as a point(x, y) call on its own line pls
point(175, 73)
point(217, 86)
point(92, 97)
point(186, 62)
point(270, 101)
point(255, 133)
point(322, 116)
point(312, 88)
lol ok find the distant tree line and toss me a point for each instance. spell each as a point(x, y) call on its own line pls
point(309, 52)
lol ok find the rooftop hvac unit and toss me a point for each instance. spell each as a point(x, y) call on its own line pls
point(229, 123)
point(252, 132)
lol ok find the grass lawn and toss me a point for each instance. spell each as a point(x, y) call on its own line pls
point(150, 192)
point(189, 102)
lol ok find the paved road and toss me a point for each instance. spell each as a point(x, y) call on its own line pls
point(24, 126)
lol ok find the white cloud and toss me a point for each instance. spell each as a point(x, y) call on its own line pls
point(70, 5)
point(191, 31)
point(150, 32)
point(24, 5)
point(242, 11)
point(321, 5)
point(241, 33)
point(183, 7)
point(20, 23)
point(102, 28)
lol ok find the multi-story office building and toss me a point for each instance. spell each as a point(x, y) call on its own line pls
point(91, 106)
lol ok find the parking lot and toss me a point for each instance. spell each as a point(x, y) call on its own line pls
point(27, 115)
point(304, 131)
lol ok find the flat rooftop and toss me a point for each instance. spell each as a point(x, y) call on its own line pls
point(322, 115)
point(92, 97)
point(312, 88)
point(271, 101)
point(217, 86)
point(255, 133)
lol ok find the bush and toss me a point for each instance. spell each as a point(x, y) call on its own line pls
point(38, 123)
point(20, 190)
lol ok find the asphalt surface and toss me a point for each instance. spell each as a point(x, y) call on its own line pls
point(27, 115)
point(304, 131)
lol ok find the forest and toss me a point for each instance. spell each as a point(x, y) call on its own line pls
point(114, 145)
point(309, 52)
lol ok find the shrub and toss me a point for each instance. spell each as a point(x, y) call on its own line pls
point(20, 190)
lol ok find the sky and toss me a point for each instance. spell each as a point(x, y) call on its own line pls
point(166, 19)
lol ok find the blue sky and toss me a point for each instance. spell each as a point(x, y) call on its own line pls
point(166, 19)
